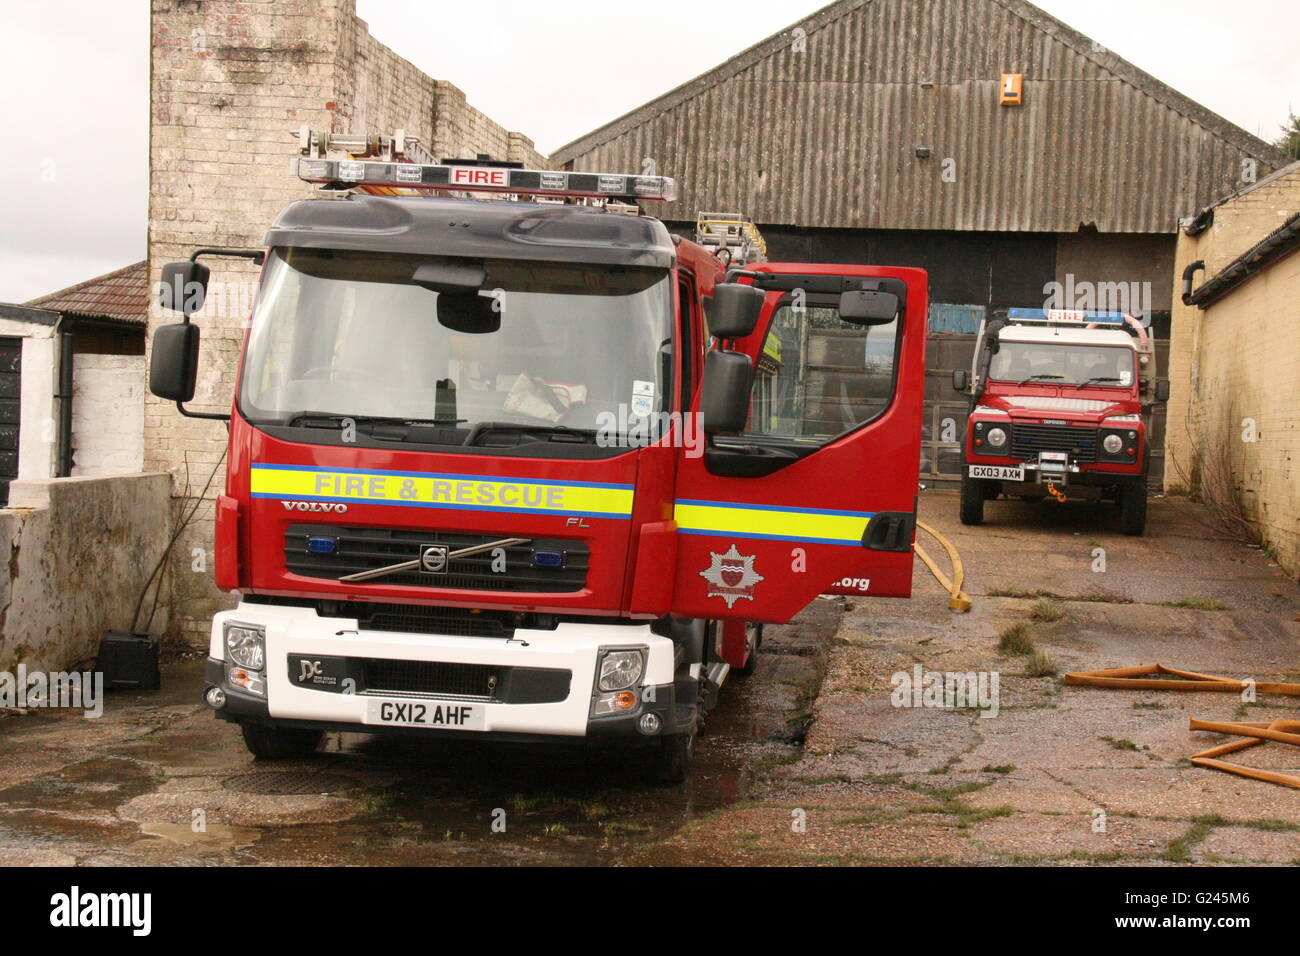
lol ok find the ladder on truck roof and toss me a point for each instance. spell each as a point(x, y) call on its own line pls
point(399, 165)
point(732, 232)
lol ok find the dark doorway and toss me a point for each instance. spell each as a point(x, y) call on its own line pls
point(11, 367)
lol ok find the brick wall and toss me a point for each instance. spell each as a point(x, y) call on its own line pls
point(1239, 360)
point(230, 80)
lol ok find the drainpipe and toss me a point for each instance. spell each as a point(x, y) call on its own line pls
point(1190, 271)
point(63, 467)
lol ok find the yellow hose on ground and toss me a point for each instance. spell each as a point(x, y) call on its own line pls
point(958, 600)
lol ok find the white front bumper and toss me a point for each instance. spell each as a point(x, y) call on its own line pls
point(571, 646)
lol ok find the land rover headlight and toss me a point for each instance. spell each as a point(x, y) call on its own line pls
point(1113, 444)
point(996, 437)
point(620, 669)
point(246, 645)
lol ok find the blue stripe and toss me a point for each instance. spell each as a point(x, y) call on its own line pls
point(422, 504)
point(436, 474)
point(797, 511)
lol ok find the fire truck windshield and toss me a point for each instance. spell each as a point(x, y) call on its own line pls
point(1063, 364)
point(341, 333)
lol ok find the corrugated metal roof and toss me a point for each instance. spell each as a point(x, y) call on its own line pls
point(827, 137)
point(121, 295)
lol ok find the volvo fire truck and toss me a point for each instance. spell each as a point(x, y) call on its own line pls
point(1061, 406)
point(493, 471)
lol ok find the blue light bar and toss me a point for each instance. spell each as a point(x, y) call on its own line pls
point(1066, 315)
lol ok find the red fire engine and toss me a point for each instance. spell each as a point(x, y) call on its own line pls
point(492, 469)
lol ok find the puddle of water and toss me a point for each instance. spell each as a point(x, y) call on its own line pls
point(214, 834)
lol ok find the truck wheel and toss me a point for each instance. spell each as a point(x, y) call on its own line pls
point(673, 758)
point(275, 743)
point(754, 635)
point(1133, 508)
point(972, 500)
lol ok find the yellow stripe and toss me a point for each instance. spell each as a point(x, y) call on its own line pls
point(445, 491)
point(762, 523)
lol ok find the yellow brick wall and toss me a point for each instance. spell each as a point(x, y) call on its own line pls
point(1239, 360)
point(230, 81)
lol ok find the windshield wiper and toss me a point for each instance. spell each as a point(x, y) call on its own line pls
point(1098, 381)
point(333, 420)
point(1041, 375)
point(560, 431)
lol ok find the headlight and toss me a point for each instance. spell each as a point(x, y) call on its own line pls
point(997, 437)
point(246, 645)
point(619, 669)
point(1113, 444)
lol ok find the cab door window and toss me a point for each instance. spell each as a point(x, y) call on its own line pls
point(818, 376)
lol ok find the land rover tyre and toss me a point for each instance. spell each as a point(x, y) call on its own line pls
point(276, 743)
point(754, 640)
point(972, 500)
point(1133, 507)
point(673, 758)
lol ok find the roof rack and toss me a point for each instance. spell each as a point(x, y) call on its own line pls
point(400, 165)
point(731, 236)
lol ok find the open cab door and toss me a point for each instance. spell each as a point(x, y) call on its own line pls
point(812, 412)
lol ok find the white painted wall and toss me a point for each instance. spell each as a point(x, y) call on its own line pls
point(107, 414)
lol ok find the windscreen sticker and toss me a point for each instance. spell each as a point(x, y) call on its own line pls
point(1125, 377)
point(643, 398)
point(432, 490)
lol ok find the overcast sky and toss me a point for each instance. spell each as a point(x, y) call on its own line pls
point(74, 95)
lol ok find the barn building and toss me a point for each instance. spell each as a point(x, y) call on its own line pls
point(1011, 156)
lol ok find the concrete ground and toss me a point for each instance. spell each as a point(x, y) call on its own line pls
point(157, 780)
point(806, 762)
point(1062, 775)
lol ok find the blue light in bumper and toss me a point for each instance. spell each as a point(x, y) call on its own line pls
point(322, 545)
point(548, 559)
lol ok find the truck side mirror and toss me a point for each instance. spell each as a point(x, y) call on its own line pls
point(174, 365)
point(724, 397)
point(733, 310)
point(184, 286)
point(1162, 390)
point(868, 307)
point(960, 380)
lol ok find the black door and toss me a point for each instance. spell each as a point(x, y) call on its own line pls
point(11, 361)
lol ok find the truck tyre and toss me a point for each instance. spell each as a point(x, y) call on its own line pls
point(673, 758)
point(754, 632)
point(276, 743)
point(1133, 508)
point(972, 500)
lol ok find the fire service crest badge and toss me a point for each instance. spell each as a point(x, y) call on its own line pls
point(731, 576)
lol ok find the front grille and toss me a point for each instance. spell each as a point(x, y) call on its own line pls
point(430, 678)
point(433, 620)
point(363, 549)
point(1028, 440)
point(446, 680)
